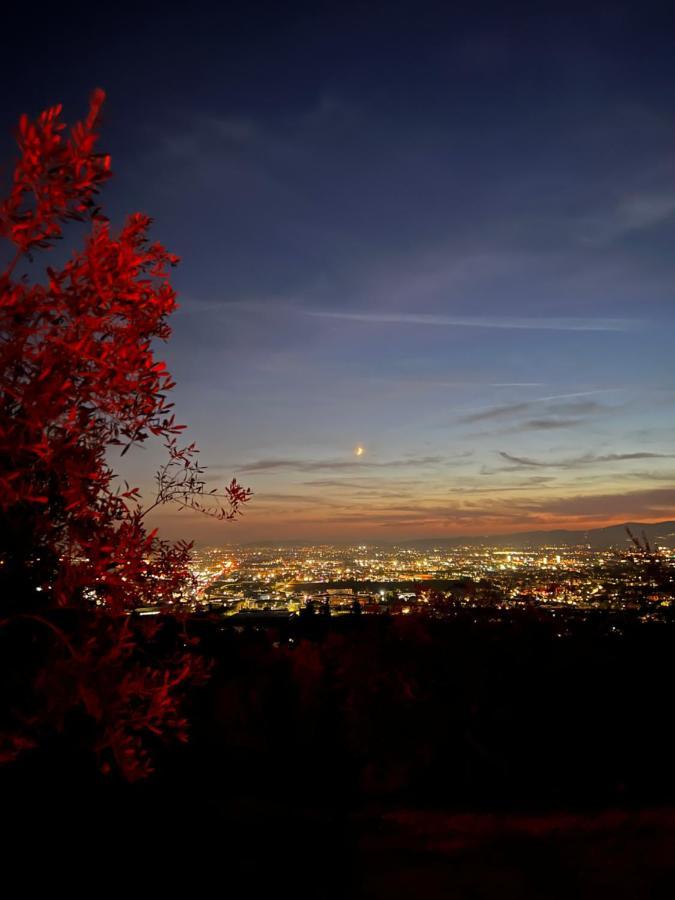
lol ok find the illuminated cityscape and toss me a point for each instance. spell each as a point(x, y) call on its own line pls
point(402, 580)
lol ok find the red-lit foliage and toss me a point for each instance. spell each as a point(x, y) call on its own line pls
point(79, 377)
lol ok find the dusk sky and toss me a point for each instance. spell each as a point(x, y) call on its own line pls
point(443, 233)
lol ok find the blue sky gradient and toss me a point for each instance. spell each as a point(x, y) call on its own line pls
point(444, 235)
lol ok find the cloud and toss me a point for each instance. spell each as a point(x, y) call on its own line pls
point(336, 465)
point(294, 498)
point(358, 484)
point(495, 412)
point(646, 476)
point(574, 407)
point(545, 424)
point(633, 213)
point(656, 502)
point(536, 481)
point(587, 459)
point(550, 423)
point(528, 323)
point(648, 503)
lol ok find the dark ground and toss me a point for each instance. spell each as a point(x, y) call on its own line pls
point(475, 758)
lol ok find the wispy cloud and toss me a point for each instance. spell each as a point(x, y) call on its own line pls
point(358, 484)
point(650, 503)
point(309, 499)
point(587, 459)
point(575, 406)
point(527, 323)
point(495, 412)
point(632, 213)
point(546, 424)
point(336, 465)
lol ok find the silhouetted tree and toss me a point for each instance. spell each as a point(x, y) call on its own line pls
point(658, 577)
point(78, 378)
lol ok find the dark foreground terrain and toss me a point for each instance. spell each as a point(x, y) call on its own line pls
point(486, 755)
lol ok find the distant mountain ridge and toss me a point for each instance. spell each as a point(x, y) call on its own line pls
point(662, 533)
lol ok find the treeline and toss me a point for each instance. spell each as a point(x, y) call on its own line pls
point(514, 710)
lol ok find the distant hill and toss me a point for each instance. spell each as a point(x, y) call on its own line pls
point(662, 533)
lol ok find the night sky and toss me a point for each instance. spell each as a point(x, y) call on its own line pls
point(443, 233)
